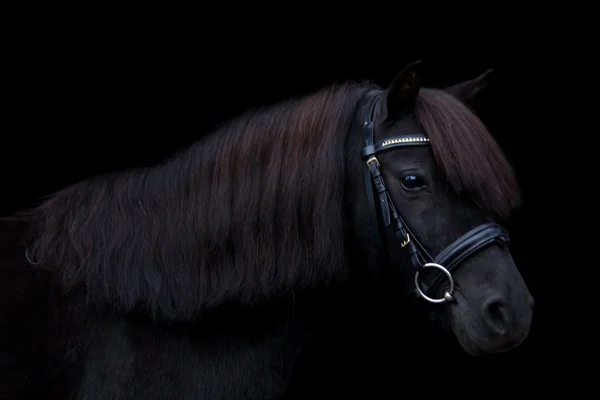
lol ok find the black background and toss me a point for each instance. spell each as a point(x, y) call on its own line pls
point(89, 95)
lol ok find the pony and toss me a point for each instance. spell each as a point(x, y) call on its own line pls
point(208, 275)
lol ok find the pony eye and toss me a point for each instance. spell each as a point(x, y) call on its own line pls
point(412, 182)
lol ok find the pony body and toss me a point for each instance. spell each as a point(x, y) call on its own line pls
point(202, 277)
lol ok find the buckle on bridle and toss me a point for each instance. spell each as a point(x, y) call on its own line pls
point(373, 159)
point(407, 241)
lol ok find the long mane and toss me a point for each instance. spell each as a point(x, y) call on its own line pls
point(243, 214)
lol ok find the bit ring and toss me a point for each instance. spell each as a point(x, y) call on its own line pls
point(447, 295)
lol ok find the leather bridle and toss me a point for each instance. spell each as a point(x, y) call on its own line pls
point(449, 258)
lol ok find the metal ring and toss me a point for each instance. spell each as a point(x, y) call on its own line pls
point(29, 259)
point(447, 295)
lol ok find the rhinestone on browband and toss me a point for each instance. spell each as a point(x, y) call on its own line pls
point(404, 140)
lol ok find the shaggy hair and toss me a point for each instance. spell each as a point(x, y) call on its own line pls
point(244, 214)
point(466, 153)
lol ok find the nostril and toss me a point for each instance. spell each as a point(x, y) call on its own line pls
point(495, 315)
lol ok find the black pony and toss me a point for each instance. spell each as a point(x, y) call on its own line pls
point(206, 276)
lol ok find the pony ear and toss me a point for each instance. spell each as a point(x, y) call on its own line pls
point(403, 90)
point(467, 90)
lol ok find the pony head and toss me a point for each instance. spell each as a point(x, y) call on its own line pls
point(436, 183)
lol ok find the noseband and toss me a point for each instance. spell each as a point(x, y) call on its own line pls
point(449, 258)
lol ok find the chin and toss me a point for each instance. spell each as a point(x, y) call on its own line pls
point(482, 347)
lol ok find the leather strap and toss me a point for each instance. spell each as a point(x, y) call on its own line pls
point(368, 142)
point(462, 248)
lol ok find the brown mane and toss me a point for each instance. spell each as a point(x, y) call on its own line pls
point(472, 162)
point(244, 214)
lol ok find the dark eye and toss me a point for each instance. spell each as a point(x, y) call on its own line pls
point(412, 182)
